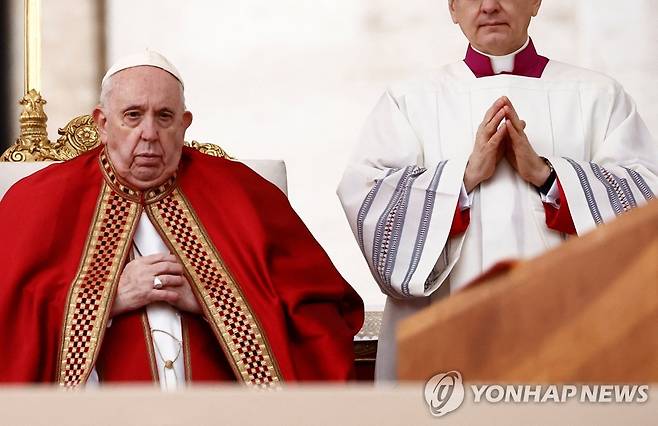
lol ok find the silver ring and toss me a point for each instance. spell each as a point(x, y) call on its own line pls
point(157, 283)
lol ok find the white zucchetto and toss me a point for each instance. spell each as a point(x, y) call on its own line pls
point(145, 58)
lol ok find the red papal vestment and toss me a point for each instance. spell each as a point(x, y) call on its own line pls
point(275, 308)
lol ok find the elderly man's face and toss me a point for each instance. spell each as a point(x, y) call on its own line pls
point(496, 27)
point(143, 125)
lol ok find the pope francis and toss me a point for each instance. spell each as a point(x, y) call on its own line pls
point(146, 261)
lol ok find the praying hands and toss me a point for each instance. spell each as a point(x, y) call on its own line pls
point(502, 133)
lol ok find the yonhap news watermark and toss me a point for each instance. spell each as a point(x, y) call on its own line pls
point(445, 392)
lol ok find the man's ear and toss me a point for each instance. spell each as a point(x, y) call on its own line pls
point(100, 119)
point(187, 119)
point(453, 13)
point(535, 7)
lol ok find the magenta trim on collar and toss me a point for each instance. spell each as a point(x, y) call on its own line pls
point(527, 63)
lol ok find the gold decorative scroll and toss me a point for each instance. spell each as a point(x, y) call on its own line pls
point(209, 148)
point(33, 140)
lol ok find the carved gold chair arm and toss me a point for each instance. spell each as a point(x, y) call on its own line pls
point(78, 136)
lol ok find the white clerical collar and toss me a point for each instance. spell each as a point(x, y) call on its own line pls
point(503, 63)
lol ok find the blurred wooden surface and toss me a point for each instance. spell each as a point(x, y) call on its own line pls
point(584, 312)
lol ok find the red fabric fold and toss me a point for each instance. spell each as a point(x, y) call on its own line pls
point(460, 221)
point(559, 219)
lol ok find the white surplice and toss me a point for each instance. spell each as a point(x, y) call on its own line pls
point(401, 187)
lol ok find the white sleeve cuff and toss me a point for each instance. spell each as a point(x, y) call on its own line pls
point(552, 197)
point(465, 199)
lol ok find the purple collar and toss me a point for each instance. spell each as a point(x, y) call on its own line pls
point(527, 63)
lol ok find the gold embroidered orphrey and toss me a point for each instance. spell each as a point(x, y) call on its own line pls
point(95, 285)
point(237, 329)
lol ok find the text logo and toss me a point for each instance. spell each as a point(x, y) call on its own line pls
point(444, 393)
